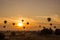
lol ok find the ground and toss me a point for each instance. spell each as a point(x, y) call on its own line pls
point(29, 35)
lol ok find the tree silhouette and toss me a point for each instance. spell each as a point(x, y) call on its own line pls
point(44, 27)
point(46, 31)
point(51, 31)
point(2, 36)
point(49, 19)
point(13, 33)
point(57, 31)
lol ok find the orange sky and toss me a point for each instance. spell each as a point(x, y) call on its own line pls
point(34, 22)
point(33, 11)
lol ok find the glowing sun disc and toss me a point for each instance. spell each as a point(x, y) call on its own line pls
point(20, 24)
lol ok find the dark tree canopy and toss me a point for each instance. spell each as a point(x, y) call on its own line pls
point(2, 36)
point(13, 33)
point(57, 31)
point(46, 31)
point(44, 27)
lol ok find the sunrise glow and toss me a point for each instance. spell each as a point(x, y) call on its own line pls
point(20, 24)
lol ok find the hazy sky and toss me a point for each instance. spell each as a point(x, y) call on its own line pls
point(30, 8)
point(10, 8)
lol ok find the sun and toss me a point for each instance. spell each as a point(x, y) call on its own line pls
point(20, 24)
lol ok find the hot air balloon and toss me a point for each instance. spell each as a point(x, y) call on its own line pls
point(27, 23)
point(5, 21)
point(13, 24)
point(22, 20)
point(49, 19)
